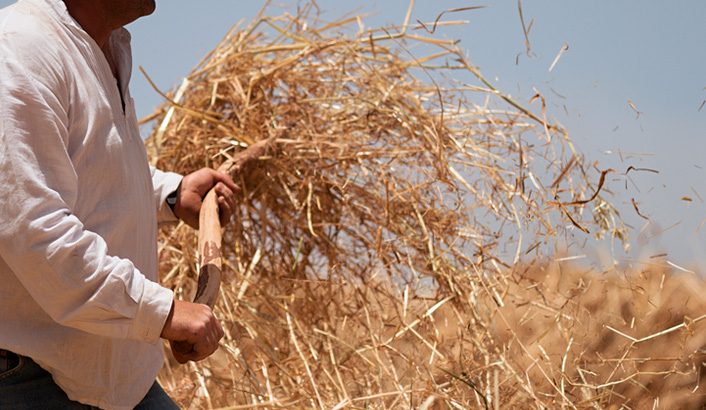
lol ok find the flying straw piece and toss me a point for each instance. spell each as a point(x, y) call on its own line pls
point(634, 108)
point(525, 29)
point(675, 266)
point(570, 258)
point(564, 48)
point(632, 168)
point(432, 30)
point(601, 183)
point(637, 210)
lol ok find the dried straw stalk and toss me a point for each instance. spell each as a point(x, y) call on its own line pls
point(377, 252)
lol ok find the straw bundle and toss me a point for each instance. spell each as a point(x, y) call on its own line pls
point(608, 340)
point(374, 259)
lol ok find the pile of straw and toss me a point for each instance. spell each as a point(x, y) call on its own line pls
point(616, 339)
point(377, 257)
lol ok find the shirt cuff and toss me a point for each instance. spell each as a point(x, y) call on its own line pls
point(152, 313)
point(168, 183)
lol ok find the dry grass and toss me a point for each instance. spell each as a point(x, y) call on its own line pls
point(385, 255)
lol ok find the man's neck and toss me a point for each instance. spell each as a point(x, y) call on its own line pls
point(93, 18)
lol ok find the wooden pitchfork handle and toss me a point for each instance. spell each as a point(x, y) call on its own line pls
point(210, 260)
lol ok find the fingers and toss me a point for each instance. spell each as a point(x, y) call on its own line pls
point(181, 351)
point(200, 350)
point(226, 190)
point(196, 352)
point(193, 190)
point(204, 179)
point(224, 179)
point(226, 202)
point(209, 345)
point(193, 331)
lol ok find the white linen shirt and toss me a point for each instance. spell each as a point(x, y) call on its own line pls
point(79, 206)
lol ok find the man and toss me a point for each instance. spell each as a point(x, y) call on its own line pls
point(81, 314)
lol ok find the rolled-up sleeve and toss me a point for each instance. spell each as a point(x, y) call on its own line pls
point(164, 184)
point(64, 267)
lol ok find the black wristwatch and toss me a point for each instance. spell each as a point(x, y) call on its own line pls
point(172, 198)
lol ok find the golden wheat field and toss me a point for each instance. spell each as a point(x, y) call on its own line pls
point(397, 247)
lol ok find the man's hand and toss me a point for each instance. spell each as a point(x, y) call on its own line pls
point(192, 330)
point(194, 188)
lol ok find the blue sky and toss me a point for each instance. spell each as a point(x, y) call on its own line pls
point(648, 52)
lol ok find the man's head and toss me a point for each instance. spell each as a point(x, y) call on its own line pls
point(127, 11)
point(100, 17)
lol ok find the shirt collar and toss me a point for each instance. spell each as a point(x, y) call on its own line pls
point(58, 10)
point(119, 39)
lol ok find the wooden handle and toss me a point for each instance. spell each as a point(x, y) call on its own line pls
point(210, 261)
point(210, 235)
